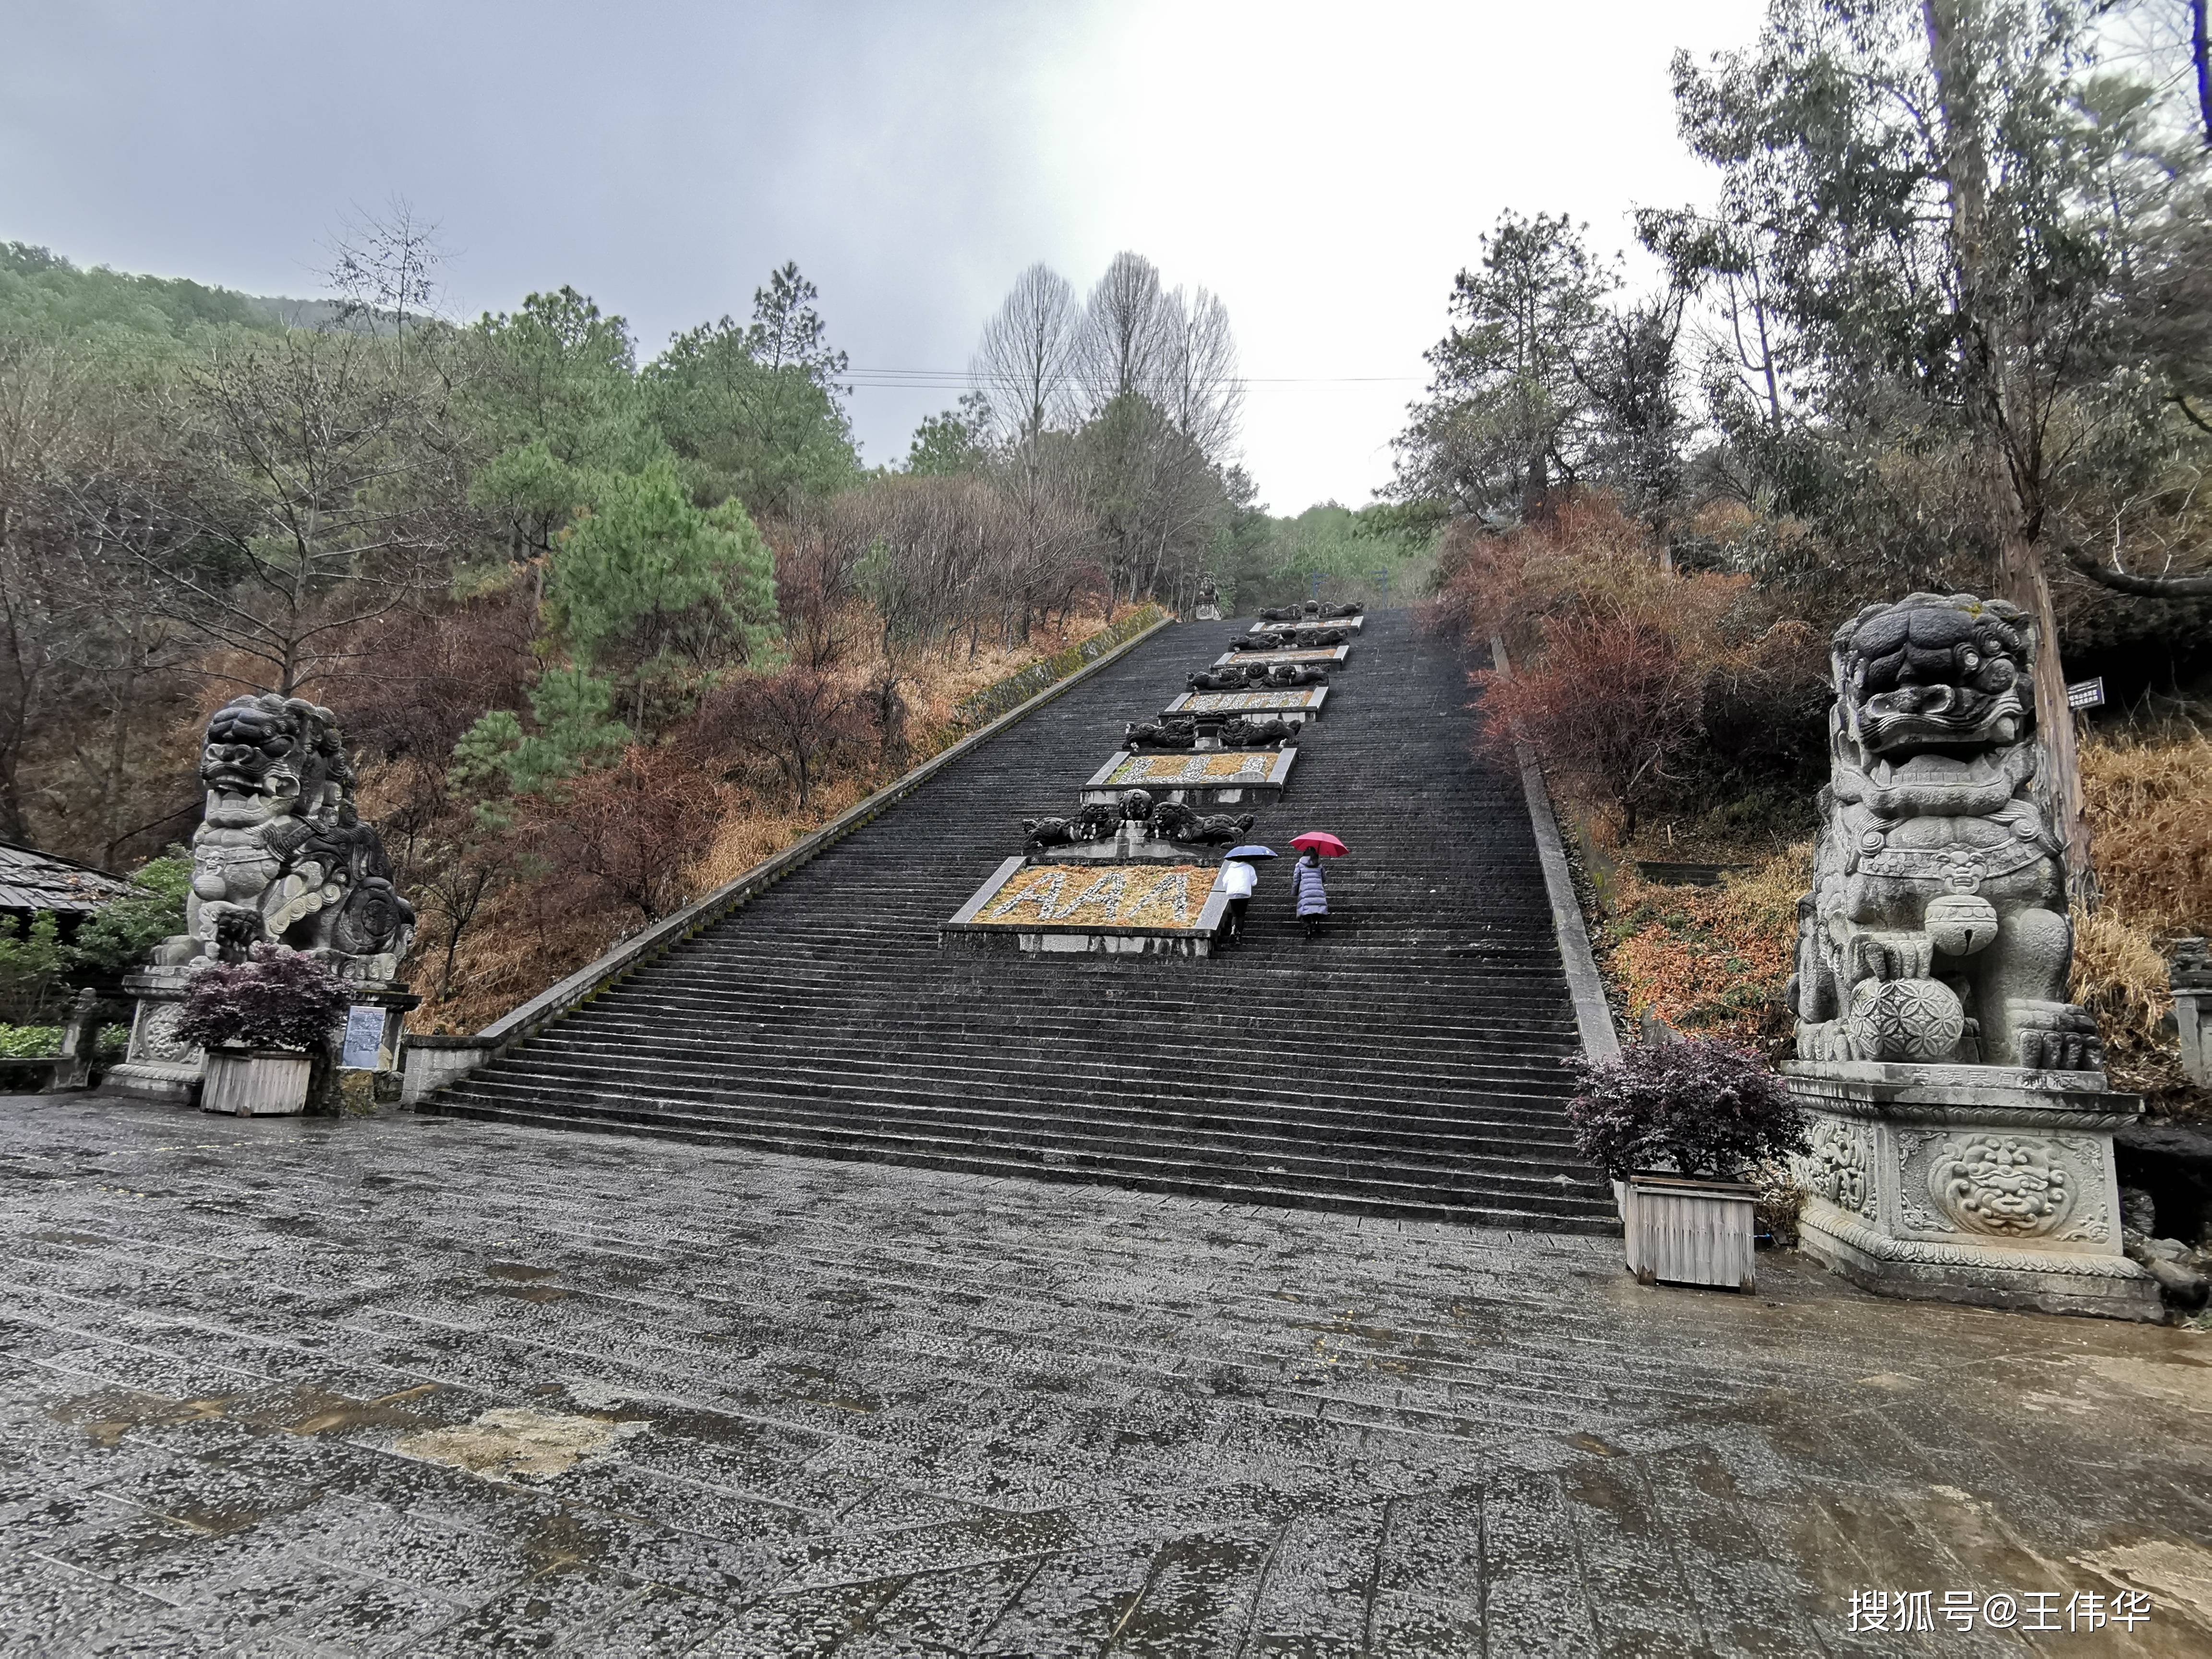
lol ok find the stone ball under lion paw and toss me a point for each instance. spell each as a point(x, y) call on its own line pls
point(1906, 1019)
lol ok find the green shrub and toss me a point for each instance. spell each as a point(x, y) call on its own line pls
point(31, 966)
point(119, 938)
point(29, 1042)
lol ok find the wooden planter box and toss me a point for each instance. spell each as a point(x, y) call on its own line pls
point(1687, 1230)
point(255, 1082)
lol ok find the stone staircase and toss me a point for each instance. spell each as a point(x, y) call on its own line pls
point(1407, 1062)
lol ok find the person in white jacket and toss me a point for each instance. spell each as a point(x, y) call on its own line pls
point(1238, 879)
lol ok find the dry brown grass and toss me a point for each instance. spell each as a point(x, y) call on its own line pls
point(1711, 959)
point(2150, 823)
point(2150, 816)
point(1714, 959)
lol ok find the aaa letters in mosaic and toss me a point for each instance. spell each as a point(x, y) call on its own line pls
point(1123, 896)
point(1193, 769)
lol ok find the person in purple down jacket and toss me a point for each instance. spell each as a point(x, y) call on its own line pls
point(1312, 896)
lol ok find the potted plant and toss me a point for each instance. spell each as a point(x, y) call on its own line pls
point(1679, 1125)
point(264, 1022)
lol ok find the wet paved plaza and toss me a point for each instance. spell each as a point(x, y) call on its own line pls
point(425, 1387)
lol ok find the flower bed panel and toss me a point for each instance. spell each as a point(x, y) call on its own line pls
point(1052, 906)
point(1232, 766)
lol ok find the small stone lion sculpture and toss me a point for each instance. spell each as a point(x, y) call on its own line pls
point(1245, 732)
point(1173, 821)
point(1937, 928)
point(1095, 821)
point(281, 853)
point(1169, 733)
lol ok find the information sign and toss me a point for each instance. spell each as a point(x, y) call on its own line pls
point(364, 1037)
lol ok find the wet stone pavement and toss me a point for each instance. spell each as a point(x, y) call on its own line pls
point(426, 1387)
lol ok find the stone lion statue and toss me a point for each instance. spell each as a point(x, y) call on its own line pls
point(1175, 821)
point(281, 853)
point(1937, 928)
point(1245, 732)
point(1095, 821)
point(1166, 734)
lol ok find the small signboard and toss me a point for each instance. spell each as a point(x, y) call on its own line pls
point(2086, 694)
point(364, 1037)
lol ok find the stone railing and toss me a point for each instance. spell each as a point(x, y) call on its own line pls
point(2190, 973)
point(427, 1063)
point(1585, 984)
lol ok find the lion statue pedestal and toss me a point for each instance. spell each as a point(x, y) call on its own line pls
point(281, 855)
point(1962, 1132)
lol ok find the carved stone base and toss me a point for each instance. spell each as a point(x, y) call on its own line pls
point(158, 1065)
point(1982, 1184)
point(161, 1066)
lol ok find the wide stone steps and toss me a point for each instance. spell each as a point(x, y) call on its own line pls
point(1247, 1180)
point(1186, 996)
point(1004, 1068)
point(1412, 1050)
point(1451, 1161)
point(1532, 1119)
point(1410, 1061)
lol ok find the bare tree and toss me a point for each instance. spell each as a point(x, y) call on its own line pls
point(1125, 345)
point(800, 719)
point(385, 266)
point(37, 402)
point(1157, 499)
point(1199, 384)
point(318, 490)
point(87, 666)
point(1026, 365)
point(455, 880)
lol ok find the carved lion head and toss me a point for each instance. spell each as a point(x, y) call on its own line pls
point(267, 756)
point(1934, 672)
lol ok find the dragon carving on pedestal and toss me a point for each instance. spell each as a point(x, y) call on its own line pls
point(1937, 927)
point(281, 853)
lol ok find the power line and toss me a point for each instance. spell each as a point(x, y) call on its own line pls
point(947, 379)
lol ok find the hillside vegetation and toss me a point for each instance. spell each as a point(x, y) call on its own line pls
point(602, 628)
point(1979, 363)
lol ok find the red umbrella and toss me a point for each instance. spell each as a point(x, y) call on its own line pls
point(1321, 842)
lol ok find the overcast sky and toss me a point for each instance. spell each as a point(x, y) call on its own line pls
point(1326, 168)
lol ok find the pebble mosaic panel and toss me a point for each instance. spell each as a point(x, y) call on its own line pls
point(1121, 896)
point(1232, 703)
point(1171, 770)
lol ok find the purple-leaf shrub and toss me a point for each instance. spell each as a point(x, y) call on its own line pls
point(278, 999)
point(1701, 1106)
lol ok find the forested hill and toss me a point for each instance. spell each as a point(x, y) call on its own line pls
point(42, 292)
